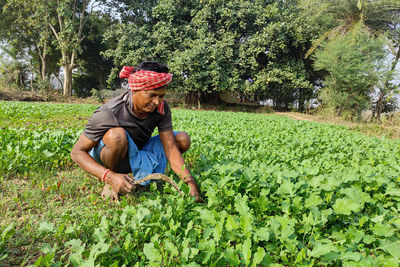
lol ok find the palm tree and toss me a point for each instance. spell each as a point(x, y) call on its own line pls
point(339, 17)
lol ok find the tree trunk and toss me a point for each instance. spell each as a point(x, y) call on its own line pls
point(43, 58)
point(198, 100)
point(67, 87)
point(385, 90)
point(379, 105)
point(43, 73)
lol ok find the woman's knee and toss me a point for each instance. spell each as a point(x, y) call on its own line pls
point(183, 141)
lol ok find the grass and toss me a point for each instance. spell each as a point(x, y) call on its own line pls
point(69, 198)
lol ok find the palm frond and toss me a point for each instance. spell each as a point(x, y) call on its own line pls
point(329, 34)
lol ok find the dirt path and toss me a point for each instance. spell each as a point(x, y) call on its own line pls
point(370, 129)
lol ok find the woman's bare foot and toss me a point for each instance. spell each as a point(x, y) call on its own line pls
point(109, 193)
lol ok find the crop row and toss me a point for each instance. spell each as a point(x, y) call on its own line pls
point(277, 191)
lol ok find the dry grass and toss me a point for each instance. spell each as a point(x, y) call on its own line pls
point(389, 127)
point(29, 96)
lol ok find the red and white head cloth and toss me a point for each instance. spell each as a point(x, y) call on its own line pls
point(145, 80)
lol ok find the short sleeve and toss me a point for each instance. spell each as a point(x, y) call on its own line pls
point(165, 124)
point(101, 121)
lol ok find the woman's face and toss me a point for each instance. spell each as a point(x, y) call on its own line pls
point(146, 101)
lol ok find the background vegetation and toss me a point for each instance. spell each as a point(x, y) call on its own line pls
point(287, 51)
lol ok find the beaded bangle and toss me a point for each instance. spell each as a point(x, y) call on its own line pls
point(104, 175)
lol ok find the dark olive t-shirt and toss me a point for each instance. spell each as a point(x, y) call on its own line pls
point(117, 112)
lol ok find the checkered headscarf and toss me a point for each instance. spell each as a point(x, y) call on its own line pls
point(145, 80)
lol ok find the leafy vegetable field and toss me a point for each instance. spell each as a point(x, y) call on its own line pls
point(277, 192)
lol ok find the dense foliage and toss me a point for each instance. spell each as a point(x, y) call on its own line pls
point(26, 146)
point(276, 191)
point(346, 22)
point(250, 47)
point(353, 73)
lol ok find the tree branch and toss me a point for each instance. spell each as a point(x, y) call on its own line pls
point(59, 16)
point(55, 33)
point(73, 14)
point(82, 20)
point(72, 63)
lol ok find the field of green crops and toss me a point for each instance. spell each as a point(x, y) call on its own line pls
point(278, 192)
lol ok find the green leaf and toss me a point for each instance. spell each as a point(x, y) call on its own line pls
point(207, 216)
point(185, 253)
point(350, 256)
point(189, 227)
point(258, 256)
point(345, 206)
point(74, 243)
point(393, 192)
point(218, 230)
point(368, 239)
point(151, 253)
point(322, 249)
point(355, 193)
point(313, 200)
point(98, 249)
point(231, 223)
point(8, 232)
point(393, 248)
point(246, 251)
point(383, 230)
point(286, 188)
point(171, 248)
point(262, 234)
point(231, 257)
point(192, 264)
point(241, 206)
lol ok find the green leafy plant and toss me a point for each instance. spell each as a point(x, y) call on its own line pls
point(277, 191)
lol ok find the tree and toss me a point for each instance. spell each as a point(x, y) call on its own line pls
point(33, 23)
point(67, 27)
point(278, 66)
point(386, 88)
point(25, 30)
point(340, 17)
point(13, 69)
point(213, 46)
point(352, 62)
point(93, 68)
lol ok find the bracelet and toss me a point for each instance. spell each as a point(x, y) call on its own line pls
point(103, 178)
